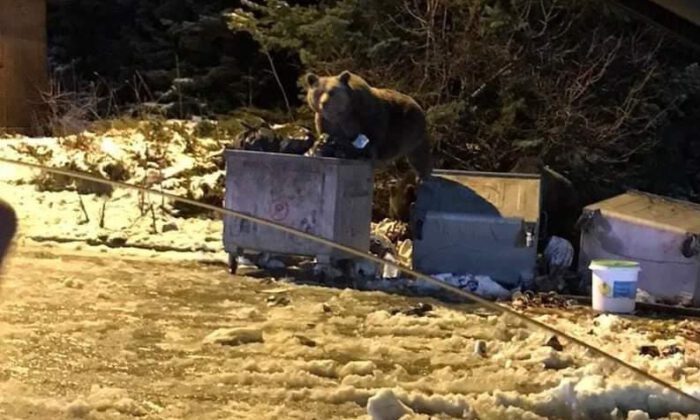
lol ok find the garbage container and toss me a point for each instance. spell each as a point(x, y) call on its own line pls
point(327, 197)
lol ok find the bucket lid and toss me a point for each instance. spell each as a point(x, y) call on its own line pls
point(608, 264)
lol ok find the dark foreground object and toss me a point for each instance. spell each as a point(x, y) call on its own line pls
point(8, 228)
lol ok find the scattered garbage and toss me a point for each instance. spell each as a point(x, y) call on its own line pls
point(385, 243)
point(645, 297)
point(480, 348)
point(682, 299)
point(564, 282)
point(393, 230)
point(421, 309)
point(267, 261)
point(555, 268)
point(380, 245)
point(558, 254)
point(305, 341)
point(554, 343)
point(337, 148)
point(278, 300)
point(244, 261)
point(652, 351)
point(361, 141)
point(365, 269)
point(282, 138)
point(523, 300)
point(671, 350)
point(390, 272)
point(327, 270)
point(480, 285)
point(404, 251)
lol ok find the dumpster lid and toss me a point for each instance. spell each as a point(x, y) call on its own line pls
point(255, 155)
point(652, 210)
point(514, 195)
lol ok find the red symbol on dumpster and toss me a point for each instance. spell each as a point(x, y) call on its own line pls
point(279, 210)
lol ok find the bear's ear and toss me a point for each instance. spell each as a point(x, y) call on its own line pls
point(344, 77)
point(311, 80)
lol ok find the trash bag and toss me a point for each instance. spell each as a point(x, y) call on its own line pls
point(559, 254)
point(258, 139)
point(283, 138)
point(380, 245)
point(340, 148)
point(294, 139)
point(480, 285)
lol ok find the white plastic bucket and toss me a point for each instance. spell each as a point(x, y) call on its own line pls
point(614, 285)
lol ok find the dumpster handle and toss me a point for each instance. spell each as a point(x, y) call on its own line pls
point(544, 225)
point(584, 221)
point(690, 246)
point(415, 223)
point(418, 233)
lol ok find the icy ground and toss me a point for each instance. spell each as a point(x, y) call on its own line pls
point(118, 321)
point(116, 337)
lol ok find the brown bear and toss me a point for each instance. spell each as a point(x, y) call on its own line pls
point(382, 124)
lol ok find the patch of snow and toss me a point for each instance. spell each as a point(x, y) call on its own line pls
point(637, 415)
point(385, 406)
point(103, 399)
point(322, 368)
point(357, 368)
point(234, 336)
point(550, 358)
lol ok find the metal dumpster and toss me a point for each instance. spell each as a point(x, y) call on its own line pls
point(328, 197)
point(660, 233)
point(478, 223)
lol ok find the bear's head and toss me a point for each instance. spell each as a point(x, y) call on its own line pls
point(329, 96)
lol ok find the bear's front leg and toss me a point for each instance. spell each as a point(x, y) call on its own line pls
point(374, 158)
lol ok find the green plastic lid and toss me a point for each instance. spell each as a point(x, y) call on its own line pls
point(603, 264)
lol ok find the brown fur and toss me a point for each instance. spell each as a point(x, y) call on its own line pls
point(402, 193)
point(346, 106)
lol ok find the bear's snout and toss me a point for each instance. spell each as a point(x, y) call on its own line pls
point(333, 106)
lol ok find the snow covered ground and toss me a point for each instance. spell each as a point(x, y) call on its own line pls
point(116, 337)
point(114, 320)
